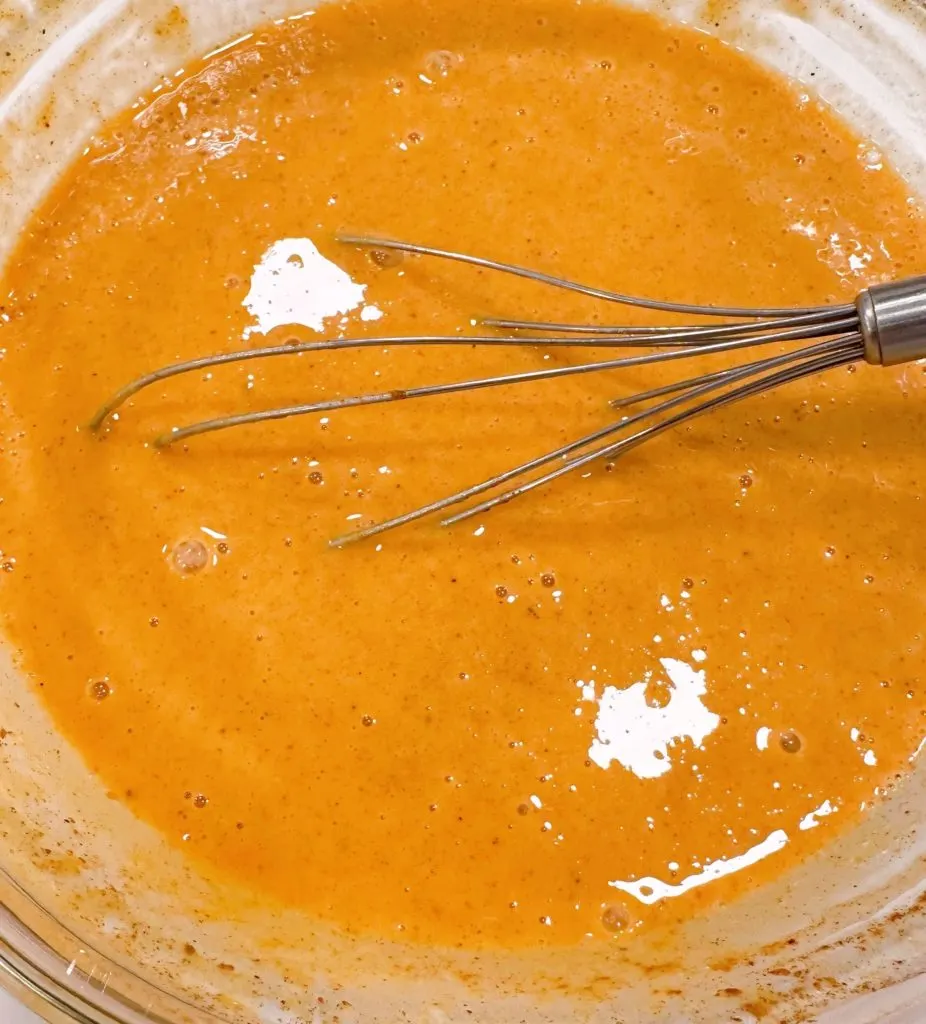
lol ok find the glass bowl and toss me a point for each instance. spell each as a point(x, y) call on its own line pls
point(102, 922)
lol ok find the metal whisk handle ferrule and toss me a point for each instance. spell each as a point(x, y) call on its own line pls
point(893, 322)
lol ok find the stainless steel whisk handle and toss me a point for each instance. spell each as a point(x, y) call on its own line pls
point(893, 321)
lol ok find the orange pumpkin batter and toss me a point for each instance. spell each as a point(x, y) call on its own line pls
point(607, 705)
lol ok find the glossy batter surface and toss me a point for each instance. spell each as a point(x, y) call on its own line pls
point(604, 706)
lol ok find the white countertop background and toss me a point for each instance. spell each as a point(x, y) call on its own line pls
point(12, 1013)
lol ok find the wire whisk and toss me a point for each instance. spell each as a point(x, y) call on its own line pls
point(885, 326)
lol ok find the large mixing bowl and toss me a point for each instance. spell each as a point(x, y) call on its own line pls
point(101, 921)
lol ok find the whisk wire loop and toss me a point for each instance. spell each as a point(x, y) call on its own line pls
point(886, 325)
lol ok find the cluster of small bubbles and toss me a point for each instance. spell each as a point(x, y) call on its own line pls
point(548, 579)
point(790, 742)
point(386, 259)
point(190, 556)
point(368, 720)
point(315, 477)
point(614, 918)
point(870, 158)
point(501, 591)
point(8, 564)
point(200, 801)
point(414, 138)
point(745, 481)
point(687, 583)
point(100, 689)
point(154, 621)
